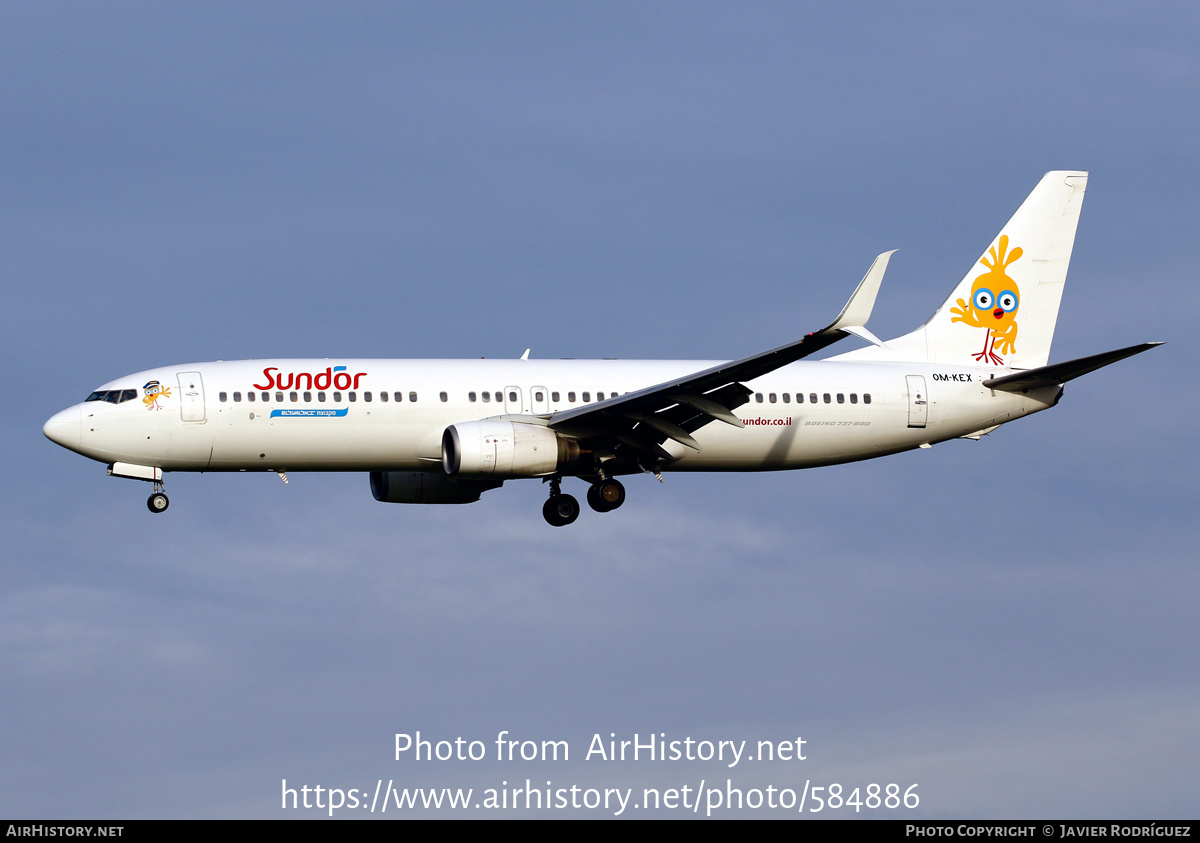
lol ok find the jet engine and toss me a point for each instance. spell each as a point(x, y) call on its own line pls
point(422, 487)
point(505, 449)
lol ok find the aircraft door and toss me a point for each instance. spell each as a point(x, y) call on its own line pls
point(191, 397)
point(512, 400)
point(540, 399)
point(918, 401)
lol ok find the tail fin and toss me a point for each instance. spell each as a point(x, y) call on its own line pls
point(1004, 311)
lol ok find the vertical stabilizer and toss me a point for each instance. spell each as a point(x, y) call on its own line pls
point(1004, 310)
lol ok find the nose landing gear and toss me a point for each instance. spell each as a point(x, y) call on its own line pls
point(157, 502)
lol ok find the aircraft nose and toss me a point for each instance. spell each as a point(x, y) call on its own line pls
point(65, 428)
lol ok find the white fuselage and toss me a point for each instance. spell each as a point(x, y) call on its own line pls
point(359, 415)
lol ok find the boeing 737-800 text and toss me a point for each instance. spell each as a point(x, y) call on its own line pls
point(445, 431)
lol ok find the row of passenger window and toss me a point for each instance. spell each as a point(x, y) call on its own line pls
point(113, 396)
point(117, 396)
point(812, 398)
point(308, 397)
point(538, 396)
point(486, 397)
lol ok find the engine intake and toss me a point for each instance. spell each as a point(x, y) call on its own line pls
point(504, 449)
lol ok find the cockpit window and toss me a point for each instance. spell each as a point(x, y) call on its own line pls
point(112, 396)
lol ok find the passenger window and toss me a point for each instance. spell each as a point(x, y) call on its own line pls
point(237, 398)
point(308, 398)
point(266, 396)
point(826, 397)
point(320, 397)
point(351, 396)
point(278, 397)
point(866, 398)
point(399, 396)
point(487, 397)
point(599, 396)
point(787, 398)
point(250, 396)
point(383, 396)
point(443, 397)
point(853, 397)
point(293, 397)
point(512, 396)
point(812, 398)
point(221, 396)
point(571, 397)
point(471, 397)
point(554, 397)
point(758, 397)
point(337, 396)
point(539, 396)
point(771, 398)
point(841, 398)
point(412, 396)
point(366, 396)
point(587, 396)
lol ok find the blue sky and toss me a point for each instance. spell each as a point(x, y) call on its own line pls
point(1008, 623)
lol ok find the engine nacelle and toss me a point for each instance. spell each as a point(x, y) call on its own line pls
point(422, 487)
point(492, 448)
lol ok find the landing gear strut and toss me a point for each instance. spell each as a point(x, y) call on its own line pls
point(605, 495)
point(158, 502)
point(560, 510)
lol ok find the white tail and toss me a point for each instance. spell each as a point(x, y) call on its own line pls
point(1004, 310)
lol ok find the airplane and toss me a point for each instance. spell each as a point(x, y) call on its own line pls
point(446, 431)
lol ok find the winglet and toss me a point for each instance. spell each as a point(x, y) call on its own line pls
point(858, 310)
point(525, 356)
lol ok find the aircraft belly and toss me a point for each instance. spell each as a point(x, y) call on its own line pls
point(802, 440)
point(320, 444)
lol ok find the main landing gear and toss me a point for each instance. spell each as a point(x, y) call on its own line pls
point(158, 502)
point(602, 496)
point(606, 495)
point(560, 510)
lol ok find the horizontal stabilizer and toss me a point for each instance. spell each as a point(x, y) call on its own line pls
point(1060, 373)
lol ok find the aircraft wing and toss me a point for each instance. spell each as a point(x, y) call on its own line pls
point(1059, 373)
point(636, 424)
